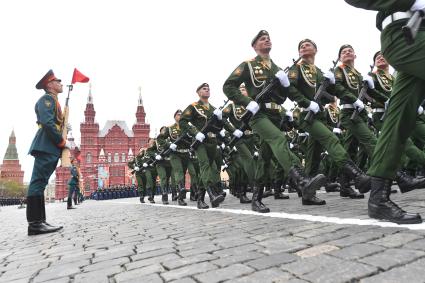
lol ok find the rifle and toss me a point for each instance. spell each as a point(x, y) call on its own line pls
point(166, 151)
point(66, 153)
point(212, 125)
point(321, 92)
point(363, 95)
point(411, 28)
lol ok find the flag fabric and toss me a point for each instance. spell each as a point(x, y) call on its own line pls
point(78, 77)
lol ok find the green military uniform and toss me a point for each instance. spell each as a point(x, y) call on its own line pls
point(163, 166)
point(256, 73)
point(401, 115)
point(137, 165)
point(150, 172)
point(381, 94)
point(191, 122)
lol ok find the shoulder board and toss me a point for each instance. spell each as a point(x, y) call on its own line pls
point(194, 103)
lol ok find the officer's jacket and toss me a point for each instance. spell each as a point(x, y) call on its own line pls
point(74, 177)
point(195, 116)
point(348, 83)
point(255, 74)
point(305, 81)
point(48, 138)
point(170, 134)
point(383, 87)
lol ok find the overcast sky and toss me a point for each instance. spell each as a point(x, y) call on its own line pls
point(167, 47)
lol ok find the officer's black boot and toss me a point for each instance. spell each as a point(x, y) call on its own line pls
point(381, 207)
point(242, 194)
point(201, 199)
point(278, 191)
point(182, 192)
point(214, 199)
point(174, 196)
point(308, 186)
point(142, 198)
point(347, 191)
point(361, 180)
point(36, 217)
point(256, 204)
point(69, 204)
point(408, 183)
point(331, 187)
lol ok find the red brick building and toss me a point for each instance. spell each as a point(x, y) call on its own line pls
point(105, 152)
point(11, 169)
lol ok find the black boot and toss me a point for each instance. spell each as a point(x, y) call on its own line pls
point(256, 204)
point(307, 186)
point(267, 192)
point(381, 207)
point(165, 198)
point(193, 191)
point(408, 183)
point(346, 189)
point(361, 180)
point(278, 191)
point(332, 187)
point(214, 199)
point(174, 196)
point(69, 204)
point(151, 198)
point(36, 217)
point(201, 199)
point(242, 194)
point(182, 193)
point(142, 199)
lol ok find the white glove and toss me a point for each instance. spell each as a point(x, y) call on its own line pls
point(223, 133)
point(68, 144)
point(283, 78)
point(290, 116)
point(291, 145)
point(369, 81)
point(418, 5)
point(359, 104)
point(223, 146)
point(225, 166)
point(337, 131)
point(238, 133)
point(313, 107)
point(158, 157)
point(200, 137)
point(369, 115)
point(253, 107)
point(234, 149)
point(330, 76)
point(420, 110)
point(173, 146)
point(256, 154)
point(145, 165)
point(217, 112)
point(136, 168)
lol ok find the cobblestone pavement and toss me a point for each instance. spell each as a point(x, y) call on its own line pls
point(125, 241)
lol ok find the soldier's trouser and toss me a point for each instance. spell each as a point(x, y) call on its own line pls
point(194, 180)
point(245, 161)
point(322, 138)
point(376, 118)
point(206, 153)
point(276, 142)
point(408, 92)
point(150, 175)
point(359, 130)
point(163, 168)
point(44, 166)
point(141, 186)
point(71, 191)
point(179, 163)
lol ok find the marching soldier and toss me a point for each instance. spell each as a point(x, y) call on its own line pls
point(305, 80)
point(193, 119)
point(163, 166)
point(46, 148)
point(255, 74)
point(149, 171)
point(407, 94)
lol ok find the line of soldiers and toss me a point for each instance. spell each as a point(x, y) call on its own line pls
point(11, 201)
point(265, 148)
point(115, 192)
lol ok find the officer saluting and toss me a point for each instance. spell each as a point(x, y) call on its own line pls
point(46, 148)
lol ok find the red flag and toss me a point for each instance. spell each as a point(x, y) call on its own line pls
point(78, 77)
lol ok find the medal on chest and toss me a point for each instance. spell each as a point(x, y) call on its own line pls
point(309, 74)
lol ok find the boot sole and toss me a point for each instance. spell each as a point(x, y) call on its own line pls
point(33, 233)
point(262, 211)
point(219, 199)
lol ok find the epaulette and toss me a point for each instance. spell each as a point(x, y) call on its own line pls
point(194, 103)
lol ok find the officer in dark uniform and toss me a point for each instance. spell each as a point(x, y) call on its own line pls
point(73, 183)
point(46, 148)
